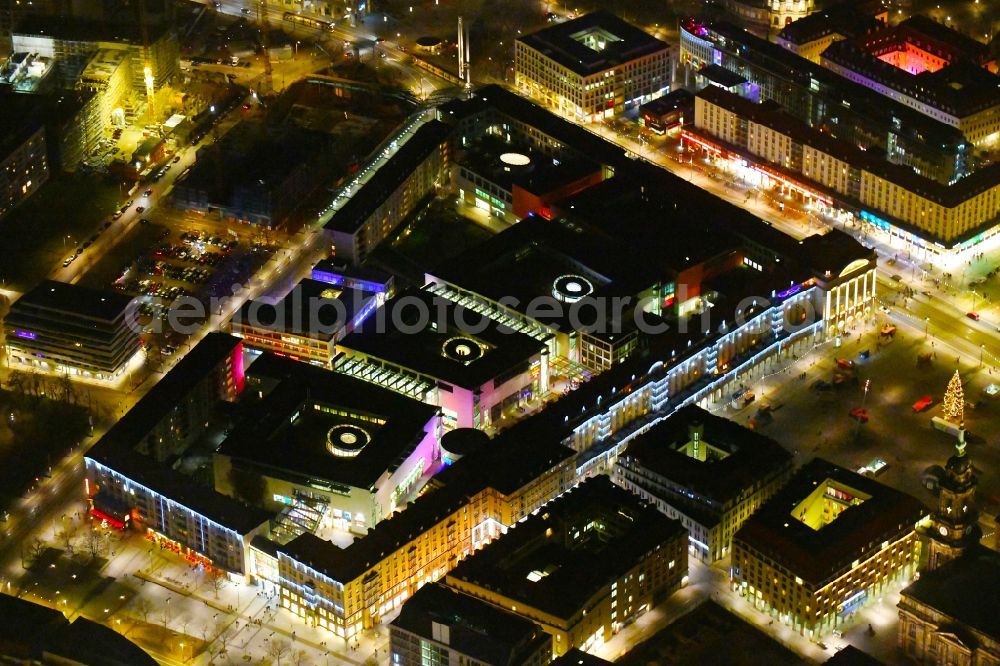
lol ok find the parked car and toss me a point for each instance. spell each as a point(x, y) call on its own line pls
point(972, 315)
point(859, 414)
point(922, 404)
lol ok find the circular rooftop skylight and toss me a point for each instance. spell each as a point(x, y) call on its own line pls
point(463, 350)
point(346, 441)
point(515, 159)
point(571, 288)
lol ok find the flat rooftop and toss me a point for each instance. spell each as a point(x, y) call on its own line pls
point(319, 425)
point(312, 309)
point(440, 345)
point(116, 449)
point(475, 628)
point(720, 463)
point(787, 528)
point(955, 589)
point(571, 549)
point(72, 300)
point(373, 193)
point(710, 634)
point(593, 43)
point(545, 258)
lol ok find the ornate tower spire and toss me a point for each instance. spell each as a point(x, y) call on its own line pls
point(954, 525)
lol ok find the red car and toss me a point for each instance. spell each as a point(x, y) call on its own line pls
point(972, 315)
point(923, 403)
point(860, 414)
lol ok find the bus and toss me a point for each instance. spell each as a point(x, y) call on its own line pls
point(309, 21)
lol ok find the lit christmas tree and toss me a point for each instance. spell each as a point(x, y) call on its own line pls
point(954, 401)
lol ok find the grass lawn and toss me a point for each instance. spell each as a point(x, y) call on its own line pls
point(35, 233)
point(140, 237)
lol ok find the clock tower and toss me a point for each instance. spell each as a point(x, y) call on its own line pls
point(954, 525)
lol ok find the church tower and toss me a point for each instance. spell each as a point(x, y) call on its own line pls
point(954, 525)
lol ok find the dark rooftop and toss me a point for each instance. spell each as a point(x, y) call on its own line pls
point(710, 634)
point(961, 87)
point(72, 300)
point(956, 590)
point(819, 555)
point(271, 439)
point(116, 449)
point(749, 456)
point(127, 30)
point(30, 630)
point(579, 556)
point(852, 656)
point(397, 334)
point(721, 76)
point(366, 199)
point(312, 308)
point(576, 657)
point(476, 628)
point(845, 18)
point(525, 260)
point(561, 43)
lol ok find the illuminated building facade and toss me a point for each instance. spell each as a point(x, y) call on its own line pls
point(441, 627)
point(128, 466)
point(75, 44)
point(305, 324)
point(346, 590)
point(395, 190)
point(585, 565)
point(825, 545)
point(821, 170)
point(473, 378)
point(71, 329)
point(592, 67)
point(352, 451)
point(926, 66)
point(827, 101)
point(705, 471)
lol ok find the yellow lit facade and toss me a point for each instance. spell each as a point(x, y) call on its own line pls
point(946, 212)
point(346, 608)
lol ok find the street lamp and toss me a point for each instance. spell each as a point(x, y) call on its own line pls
point(927, 326)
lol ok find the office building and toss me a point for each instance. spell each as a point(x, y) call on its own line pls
point(828, 543)
point(418, 345)
point(348, 589)
point(66, 328)
point(257, 173)
point(827, 101)
point(396, 189)
point(592, 67)
point(808, 37)
point(706, 471)
point(587, 564)
point(355, 453)
point(71, 123)
point(441, 627)
point(305, 324)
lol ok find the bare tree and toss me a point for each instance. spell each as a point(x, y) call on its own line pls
point(143, 608)
point(278, 649)
point(224, 634)
point(300, 658)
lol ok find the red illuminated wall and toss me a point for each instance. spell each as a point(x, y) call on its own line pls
point(526, 202)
